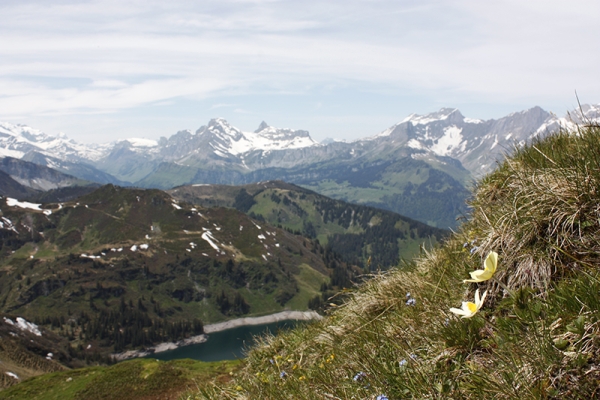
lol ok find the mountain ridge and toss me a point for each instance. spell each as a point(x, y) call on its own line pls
point(218, 141)
point(425, 162)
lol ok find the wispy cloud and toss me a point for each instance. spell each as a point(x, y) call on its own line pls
point(74, 57)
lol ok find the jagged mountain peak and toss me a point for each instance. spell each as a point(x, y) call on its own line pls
point(222, 129)
point(263, 125)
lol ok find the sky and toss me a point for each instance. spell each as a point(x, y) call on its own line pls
point(105, 70)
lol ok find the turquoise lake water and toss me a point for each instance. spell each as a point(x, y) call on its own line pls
point(225, 345)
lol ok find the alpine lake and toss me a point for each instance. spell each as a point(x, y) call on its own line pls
point(229, 344)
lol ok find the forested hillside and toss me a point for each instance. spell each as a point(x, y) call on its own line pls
point(121, 268)
point(370, 237)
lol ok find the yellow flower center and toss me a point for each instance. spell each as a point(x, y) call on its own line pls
point(472, 307)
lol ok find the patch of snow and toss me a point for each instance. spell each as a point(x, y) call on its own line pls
point(241, 227)
point(141, 142)
point(9, 225)
point(451, 140)
point(11, 153)
point(28, 326)
point(22, 204)
point(495, 142)
point(209, 238)
point(261, 237)
point(12, 375)
point(415, 144)
point(90, 256)
point(176, 206)
point(144, 246)
point(265, 257)
point(473, 121)
point(9, 321)
point(133, 248)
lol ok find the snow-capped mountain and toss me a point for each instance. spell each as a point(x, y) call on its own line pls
point(18, 140)
point(222, 139)
point(478, 144)
point(436, 138)
point(475, 143)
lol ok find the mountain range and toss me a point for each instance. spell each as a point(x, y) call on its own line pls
point(420, 164)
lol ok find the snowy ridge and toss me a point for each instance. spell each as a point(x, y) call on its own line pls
point(229, 140)
point(219, 146)
point(17, 140)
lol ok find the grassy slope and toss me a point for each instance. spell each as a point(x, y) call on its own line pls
point(536, 336)
point(146, 379)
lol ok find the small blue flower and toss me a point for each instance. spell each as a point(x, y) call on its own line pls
point(382, 397)
point(402, 363)
point(474, 249)
point(411, 302)
point(272, 361)
point(465, 245)
point(413, 356)
point(446, 322)
point(359, 377)
point(283, 374)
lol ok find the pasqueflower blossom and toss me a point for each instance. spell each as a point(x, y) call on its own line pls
point(490, 264)
point(469, 309)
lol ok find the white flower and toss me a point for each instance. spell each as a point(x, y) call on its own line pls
point(469, 309)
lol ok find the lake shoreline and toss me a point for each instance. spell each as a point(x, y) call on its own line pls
point(218, 327)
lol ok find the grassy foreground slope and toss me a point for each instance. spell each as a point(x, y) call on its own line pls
point(537, 335)
point(144, 378)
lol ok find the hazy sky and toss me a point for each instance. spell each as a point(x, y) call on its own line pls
point(103, 70)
